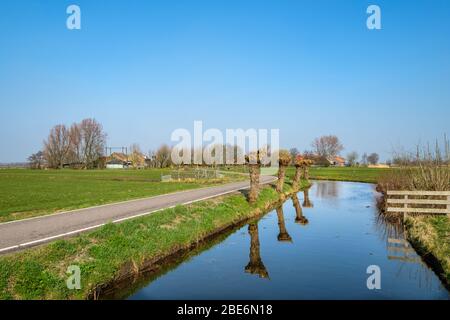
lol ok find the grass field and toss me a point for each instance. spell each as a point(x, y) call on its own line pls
point(26, 193)
point(40, 273)
point(357, 174)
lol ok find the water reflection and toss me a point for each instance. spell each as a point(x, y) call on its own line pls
point(389, 225)
point(330, 262)
point(392, 231)
point(255, 266)
point(307, 203)
point(327, 190)
point(400, 249)
point(299, 217)
point(283, 235)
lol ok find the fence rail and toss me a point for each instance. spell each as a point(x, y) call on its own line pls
point(421, 202)
point(192, 174)
point(418, 193)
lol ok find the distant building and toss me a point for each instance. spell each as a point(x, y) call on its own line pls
point(115, 164)
point(337, 161)
point(379, 165)
point(118, 160)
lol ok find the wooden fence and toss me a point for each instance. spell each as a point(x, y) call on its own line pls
point(420, 202)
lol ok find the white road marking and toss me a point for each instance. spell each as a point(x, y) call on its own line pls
point(62, 235)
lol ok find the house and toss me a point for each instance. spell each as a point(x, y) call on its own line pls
point(115, 164)
point(337, 161)
point(118, 160)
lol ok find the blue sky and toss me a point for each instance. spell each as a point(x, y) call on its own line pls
point(145, 68)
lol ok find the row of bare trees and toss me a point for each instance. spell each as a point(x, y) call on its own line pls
point(327, 147)
point(162, 157)
point(80, 145)
point(324, 149)
point(284, 159)
point(352, 159)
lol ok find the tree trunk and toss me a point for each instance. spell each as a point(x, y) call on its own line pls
point(281, 177)
point(306, 173)
point(255, 266)
point(255, 172)
point(297, 176)
point(300, 218)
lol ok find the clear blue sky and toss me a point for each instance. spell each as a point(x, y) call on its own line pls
point(145, 68)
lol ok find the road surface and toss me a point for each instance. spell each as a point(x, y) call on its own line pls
point(25, 233)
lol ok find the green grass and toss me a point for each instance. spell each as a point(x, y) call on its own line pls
point(40, 273)
point(356, 174)
point(431, 236)
point(26, 193)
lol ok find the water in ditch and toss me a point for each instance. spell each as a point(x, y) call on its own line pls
point(317, 245)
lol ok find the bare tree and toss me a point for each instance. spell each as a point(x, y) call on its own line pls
point(83, 144)
point(93, 141)
point(136, 156)
point(151, 162)
point(253, 160)
point(162, 156)
point(284, 159)
point(36, 160)
point(294, 153)
point(373, 158)
point(75, 151)
point(233, 154)
point(56, 147)
point(327, 146)
point(352, 157)
point(364, 159)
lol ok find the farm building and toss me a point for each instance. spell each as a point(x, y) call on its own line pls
point(119, 160)
point(115, 164)
point(337, 161)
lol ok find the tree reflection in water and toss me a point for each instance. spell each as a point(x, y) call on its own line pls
point(327, 190)
point(306, 201)
point(255, 266)
point(299, 217)
point(283, 235)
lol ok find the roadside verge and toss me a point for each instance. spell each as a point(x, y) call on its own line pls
point(106, 255)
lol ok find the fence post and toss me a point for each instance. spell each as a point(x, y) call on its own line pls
point(448, 206)
point(405, 205)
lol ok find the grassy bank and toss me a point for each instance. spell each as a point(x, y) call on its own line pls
point(103, 255)
point(26, 193)
point(430, 235)
point(431, 238)
point(356, 174)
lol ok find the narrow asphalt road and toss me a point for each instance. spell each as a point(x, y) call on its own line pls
point(21, 234)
